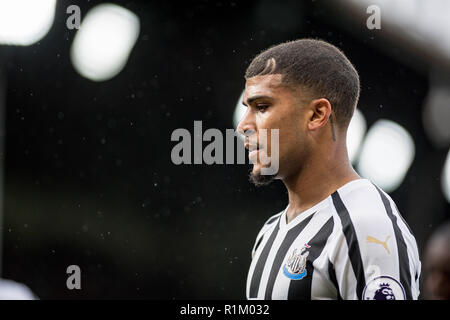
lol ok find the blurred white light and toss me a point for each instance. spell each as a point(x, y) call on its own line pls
point(12, 290)
point(386, 155)
point(355, 134)
point(436, 115)
point(239, 113)
point(24, 22)
point(445, 179)
point(104, 42)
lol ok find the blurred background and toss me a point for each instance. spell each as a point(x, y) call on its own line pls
point(87, 116)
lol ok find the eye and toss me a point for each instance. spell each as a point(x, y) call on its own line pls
point(262, 107)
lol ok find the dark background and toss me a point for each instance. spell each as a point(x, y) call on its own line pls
point(88, 178)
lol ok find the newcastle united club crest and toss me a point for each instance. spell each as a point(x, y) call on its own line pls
point(295, 266)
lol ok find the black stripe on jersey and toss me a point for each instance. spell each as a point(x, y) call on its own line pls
point(273, 219)
point(352, 243)
point(301, 289)
point(404, 271)
point(332, 276)
point(257, 273)
point(401, 217)
point(281, 253)
point(258, 243)
point(259, 240)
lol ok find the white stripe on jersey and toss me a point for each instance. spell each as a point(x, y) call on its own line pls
point(268, 266)
point(265, 233)
point(337, 249)
point(322, 287)
point(343, 270)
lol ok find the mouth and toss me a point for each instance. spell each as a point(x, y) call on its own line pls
point(251, 146)
point(253, 155)
point(253, 149)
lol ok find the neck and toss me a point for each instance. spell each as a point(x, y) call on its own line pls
point(319, 177)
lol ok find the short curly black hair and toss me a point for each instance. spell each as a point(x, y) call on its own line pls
point(316, 66)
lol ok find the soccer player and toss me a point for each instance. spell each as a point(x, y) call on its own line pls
point(340, 236)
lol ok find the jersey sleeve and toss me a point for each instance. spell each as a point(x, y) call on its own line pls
point(371, 253)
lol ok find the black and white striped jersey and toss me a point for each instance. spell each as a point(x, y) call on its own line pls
point(352, 245)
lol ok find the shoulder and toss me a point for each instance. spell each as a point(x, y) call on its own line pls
point(365, 215)
point(363, 205)
point(373, 237)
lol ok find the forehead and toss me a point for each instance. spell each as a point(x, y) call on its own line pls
point(270, 84)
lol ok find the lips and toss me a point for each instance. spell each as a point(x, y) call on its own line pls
point(253, 149)
point(252, 156)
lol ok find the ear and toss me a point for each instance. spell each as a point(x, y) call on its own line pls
point(321, 111)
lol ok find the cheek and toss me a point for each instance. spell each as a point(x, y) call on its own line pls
point(291, 145)
point(292, 136)
point(290, 132)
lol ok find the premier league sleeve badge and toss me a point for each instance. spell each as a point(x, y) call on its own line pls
point(384, 288)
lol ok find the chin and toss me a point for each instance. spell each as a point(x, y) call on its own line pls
point(259, 179)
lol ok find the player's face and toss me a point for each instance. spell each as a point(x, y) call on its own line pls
point(272, 105)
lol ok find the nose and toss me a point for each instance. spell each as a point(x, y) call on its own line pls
point(247, 125)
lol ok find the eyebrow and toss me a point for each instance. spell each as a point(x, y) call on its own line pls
point(251, 99)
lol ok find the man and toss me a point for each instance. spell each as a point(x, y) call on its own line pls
point(437, 264)
point(340, 237)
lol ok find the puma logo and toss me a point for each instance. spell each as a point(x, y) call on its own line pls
point(383, 243)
